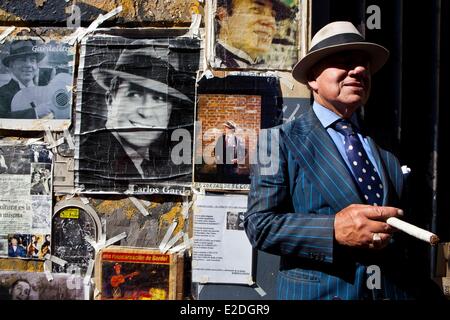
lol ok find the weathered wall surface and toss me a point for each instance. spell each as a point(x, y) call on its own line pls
point(57, 12)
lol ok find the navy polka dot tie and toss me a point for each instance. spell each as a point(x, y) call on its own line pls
point(365, 173)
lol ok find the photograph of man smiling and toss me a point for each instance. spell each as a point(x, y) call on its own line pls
point(250, 32)
point(144, 99)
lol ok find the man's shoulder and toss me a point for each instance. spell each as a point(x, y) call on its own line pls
point(8, 86)
point(305, 119)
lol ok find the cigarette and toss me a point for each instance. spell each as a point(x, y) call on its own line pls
point(413, 230)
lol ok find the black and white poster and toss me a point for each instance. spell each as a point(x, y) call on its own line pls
point(35, 286)
point(135, 113)
point(36, 80)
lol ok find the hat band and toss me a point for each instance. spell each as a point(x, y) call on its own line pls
point(342, 38)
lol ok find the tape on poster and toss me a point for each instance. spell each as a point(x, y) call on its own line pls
point(139, 206)
point(33, 141)
point(69, 139)
point(81, 33)
point(50, 139)
point(172, 241)
point(48, 270)
point(57, 143)
point(103, 244)
point(55, 259)
point(74, 191)
point(92, 242)
point(200, 191)
point(185, 209)
point(194, 27)
point(187, 242)
point(208, 74)
point(88, 275)
point(84, 200)
point(259, 290)
point(115, 239)
point(168, 234)
point(6, 33)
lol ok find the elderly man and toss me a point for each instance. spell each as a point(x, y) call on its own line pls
point(230, 152)
point(22, 63)
point(323, 205)
point(245, 29)
point(143, 101)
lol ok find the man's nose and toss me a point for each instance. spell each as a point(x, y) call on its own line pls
point(358, 70)
point(268, 21)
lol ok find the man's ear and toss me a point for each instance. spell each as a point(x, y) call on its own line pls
point(312, 84)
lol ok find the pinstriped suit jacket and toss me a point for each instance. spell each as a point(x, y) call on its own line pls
point(291, 213)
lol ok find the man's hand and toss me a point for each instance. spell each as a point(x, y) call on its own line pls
point(356, 225)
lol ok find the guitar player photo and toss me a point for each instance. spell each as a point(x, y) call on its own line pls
point(36, 80)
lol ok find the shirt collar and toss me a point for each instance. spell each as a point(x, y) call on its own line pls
point(241, 54)
point(328, 117)
point(135, 157)
point(21, 85)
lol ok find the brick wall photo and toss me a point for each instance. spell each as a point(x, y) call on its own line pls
point(215, 109)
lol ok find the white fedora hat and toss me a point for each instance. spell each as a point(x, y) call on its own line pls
point(336, 37)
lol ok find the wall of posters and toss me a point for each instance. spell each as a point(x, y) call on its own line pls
point(36, 80)
point(222, 252)
point(135, 111)
point(25, 200)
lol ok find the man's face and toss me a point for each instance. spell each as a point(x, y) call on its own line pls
point(136, 106)
point(24, 68)
point(21, 291)
point(342, 81)
point(232, 218)
point(251, 27)
point(228, 131)
point(117, 268)
point(14, 242)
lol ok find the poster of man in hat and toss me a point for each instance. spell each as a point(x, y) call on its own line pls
point(35, 83)
point(256, 34)
point(135, 95)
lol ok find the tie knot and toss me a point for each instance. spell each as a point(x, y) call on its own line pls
point(344, 127)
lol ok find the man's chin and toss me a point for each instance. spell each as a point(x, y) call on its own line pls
point(138, 143)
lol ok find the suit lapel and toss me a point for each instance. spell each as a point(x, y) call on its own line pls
point(315, 151)
point(390, 174)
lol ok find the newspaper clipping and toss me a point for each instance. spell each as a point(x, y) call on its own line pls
point(36, 79)
point(25, 201)
point(222, 252)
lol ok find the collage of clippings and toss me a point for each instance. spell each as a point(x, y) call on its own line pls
point(126, 155)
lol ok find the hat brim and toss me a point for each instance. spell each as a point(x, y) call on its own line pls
point(378, 56)
point(7, 59)
point(104, 77)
